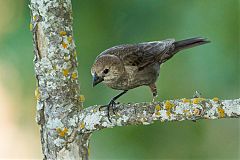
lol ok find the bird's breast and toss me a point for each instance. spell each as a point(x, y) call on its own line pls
point(133, 78)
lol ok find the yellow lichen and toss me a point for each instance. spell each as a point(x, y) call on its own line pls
point(144, 120)
point(82, 125)
point(37, 93)
point(69, 39)
point(95, 110)
point(215, 99)
point(81, 98)
point(65, 72)
point(88, 150)
point(197, 100)
point(157, 113)
point(221, 112)
point(58, 130)
point(35, 18)
point(66, 58)
point(185, 100)
point(74, 75)
point(157, 107)
point(54, 67)
point(188, 114)
point(197, 112)
point(168, 113)
point(168, 105)
point(75, 54)
point(30, 26)
point(185, 111)
point(64, 45)
point(62, 33)
point(61, 132)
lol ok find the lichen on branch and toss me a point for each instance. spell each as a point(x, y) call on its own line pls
point(145, 113)
point(57, 90)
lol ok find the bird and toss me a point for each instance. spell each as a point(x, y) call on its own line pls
point(128, 66)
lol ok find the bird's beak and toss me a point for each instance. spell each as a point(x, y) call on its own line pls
point(96, 79)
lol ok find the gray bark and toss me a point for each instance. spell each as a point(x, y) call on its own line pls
point(65, 126)
point(57, 92)
point(91, 119)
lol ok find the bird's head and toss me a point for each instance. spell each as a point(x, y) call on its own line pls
point(107, 69)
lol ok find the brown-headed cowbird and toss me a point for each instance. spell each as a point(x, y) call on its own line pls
point(128, 66)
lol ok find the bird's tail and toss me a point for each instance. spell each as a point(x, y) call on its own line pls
point(183, 44)
point(189, 43)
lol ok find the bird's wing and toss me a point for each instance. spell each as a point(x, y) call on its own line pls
point(142, 54)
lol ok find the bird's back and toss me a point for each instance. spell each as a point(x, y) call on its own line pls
point(141, 54)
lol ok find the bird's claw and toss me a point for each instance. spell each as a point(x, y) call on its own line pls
point(110, 106)
point(154, 98)
point(101, 107)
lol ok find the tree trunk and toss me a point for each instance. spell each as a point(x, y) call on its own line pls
point(57, 92)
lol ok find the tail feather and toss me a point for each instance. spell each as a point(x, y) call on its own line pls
point(189, 43)
point(183, 44)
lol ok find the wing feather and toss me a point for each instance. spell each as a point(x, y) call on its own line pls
point(142, 54)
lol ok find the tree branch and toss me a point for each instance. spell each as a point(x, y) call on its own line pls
point(91, 119)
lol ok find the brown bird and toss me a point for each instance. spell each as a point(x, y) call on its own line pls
point(128, 66)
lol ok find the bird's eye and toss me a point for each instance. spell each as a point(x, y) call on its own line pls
point(105, 71)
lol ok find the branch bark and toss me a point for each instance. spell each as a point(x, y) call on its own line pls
point(65, 126)
point(92, 119)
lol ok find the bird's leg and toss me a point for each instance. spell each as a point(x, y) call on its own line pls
point(153, 88)
point(112, 103)
point(119, 95)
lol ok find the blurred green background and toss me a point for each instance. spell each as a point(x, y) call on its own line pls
point(212, 69)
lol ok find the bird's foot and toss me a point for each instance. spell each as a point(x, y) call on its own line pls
point(110, 107)
point(154, 98)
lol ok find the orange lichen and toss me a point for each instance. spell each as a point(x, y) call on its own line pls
point(215, 99)
point(64, 45)
point(81, 98)
point(69, 39)
point(197, 100)
point(82, 125)
point(62, 33)
point(61, 132)
point(168, 105)
point(37, 93)
point(221, 112)
point(158, 107)
point(74, 75)
point(65, 72)
point(185, 100)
